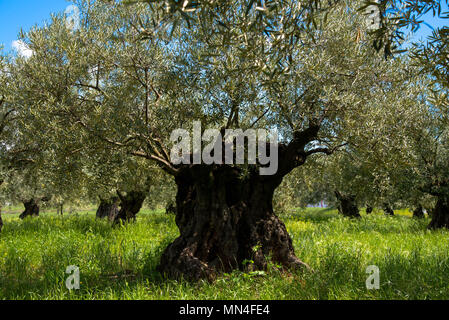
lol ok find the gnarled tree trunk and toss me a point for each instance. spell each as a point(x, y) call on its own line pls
point(347, 205)
point(1, 221)
point(31, 209)
point(225, 220)
point(108, 208)
point(418, 212)
point(170, 208)
point(369, 209)
point(388, 210)
point(130, 205)
point(440, 214)
point(59, 209)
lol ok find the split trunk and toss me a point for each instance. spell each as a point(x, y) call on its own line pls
point(225, 216)
point(130, 205)
point(226, 222)
point(31, 209)
point(108, 208)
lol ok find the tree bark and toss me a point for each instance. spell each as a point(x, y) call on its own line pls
point(31, 209)
point(130, 205)
point(225, 216)
point(418, 212)
point(1, 221)
point(347, 205)
point(440, 214)
point(108, 208)
point(225, 220)
point(388, 210)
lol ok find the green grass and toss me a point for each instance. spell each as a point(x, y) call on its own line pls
point(120, 263)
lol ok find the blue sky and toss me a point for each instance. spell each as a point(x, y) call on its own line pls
point(435, 22)
point(15, 14)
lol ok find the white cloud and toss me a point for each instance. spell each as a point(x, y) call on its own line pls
point(22, 48)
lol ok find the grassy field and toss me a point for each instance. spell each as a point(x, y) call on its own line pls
point(120, 263)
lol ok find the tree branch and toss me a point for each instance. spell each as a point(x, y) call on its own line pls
point(325, 150)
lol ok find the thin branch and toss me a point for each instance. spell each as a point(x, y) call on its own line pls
point(325, 150)
point(258, 119)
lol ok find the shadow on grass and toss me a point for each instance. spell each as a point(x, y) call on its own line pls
point(20, 280)
point(78, 223)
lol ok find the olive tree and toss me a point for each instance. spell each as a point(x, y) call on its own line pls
point(428, 152)
point(429, 134)
point(128, 92)
point(372, 169)
point(121, 183)
point(5, 113)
